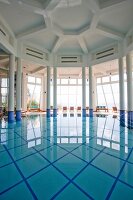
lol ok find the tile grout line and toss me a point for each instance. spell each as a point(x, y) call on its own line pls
point(117, 178)
point(22, 176)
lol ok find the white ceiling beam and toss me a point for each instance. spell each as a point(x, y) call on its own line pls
point(109, 32)
point(93, 5)
point(82, 44)
point(37, 70)
point(130, 32)
point(51, 4)
point(57, 30)
point(94, 21)
point(29, 33)
point(57, 44)
point(113, 6)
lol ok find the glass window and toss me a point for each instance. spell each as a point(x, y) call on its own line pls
point(108, 95)
point(38, 80)
point(64, 81)
point(98, 80)
point(72, 90)
point(100, 96)
point(4, 82)
point(80, 81)
point(115, 77)
point(64, 89)
point(31, 79)
point(125, 76)
point(58, 81)
point(72, 81)
point(105, 79)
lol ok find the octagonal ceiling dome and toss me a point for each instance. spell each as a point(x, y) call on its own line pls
point(72, 18)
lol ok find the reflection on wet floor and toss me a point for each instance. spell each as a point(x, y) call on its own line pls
point(92, 158)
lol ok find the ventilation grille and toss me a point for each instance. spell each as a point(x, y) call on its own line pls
point(3, 33)
point(105, 53)
point(70, 59)
point(36, 54)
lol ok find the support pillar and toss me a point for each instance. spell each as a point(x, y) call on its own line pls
point(129, 90)
point(0, 95)
point(121, 89)
point(11, 89)
point(18, 90)
point(83, 92)
point(90, 92)
point(24, 91)
point(55, 92)
point(48, 91)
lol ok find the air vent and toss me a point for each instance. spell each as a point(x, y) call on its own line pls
point(36, 53)
point(105, 53)
point(4, 33)
point(70, 59)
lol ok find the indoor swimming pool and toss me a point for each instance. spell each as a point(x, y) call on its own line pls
point(66, 158)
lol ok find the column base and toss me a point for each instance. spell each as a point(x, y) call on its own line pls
point(91, 112)
point(48, 113)
point(130, 119)
point(54, 112)
point(83, 112)
point(10, 116)
point(122, 117)
point(18, 115)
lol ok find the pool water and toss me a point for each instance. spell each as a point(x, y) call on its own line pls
point(66, 158)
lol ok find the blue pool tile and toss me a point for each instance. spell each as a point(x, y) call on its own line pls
point(94, 144)
point(32, 164)
point(72, 193)
point(108, 164)
point(47, 183)
point(131, 158)
point(9, 176)
point(53, 153)
point(2, 148)
point(94, 182)
point(70, 165)
point(122, 192)
point(21, 152)
point(20, 192)
point(69, 146)
point(120, 153)
point(4, 158)
point(127, 174)
point(85, 152)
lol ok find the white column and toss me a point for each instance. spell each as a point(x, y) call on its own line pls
point(18, 90)
point(129, 89)
point(11, 89)
point(24, 91)
point(121, 90)
point(0, 95)
point(55, 91)
point(48, 91)
point(90, 92)
point(83, 92)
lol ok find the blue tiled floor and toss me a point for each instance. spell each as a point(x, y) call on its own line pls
point(66, 158)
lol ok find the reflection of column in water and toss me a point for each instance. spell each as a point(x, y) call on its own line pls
point(91, 134)
point(48, 135)
point(43, 129)
point(10, 136)
point(91, 130)
point(122, 142)
point(84, 137)
point(55, 137)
